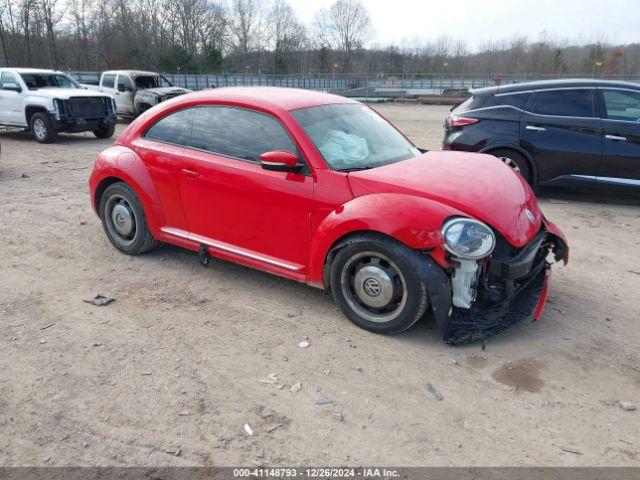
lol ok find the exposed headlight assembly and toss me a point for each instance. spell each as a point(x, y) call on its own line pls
point(57, 108)
point(467, 238)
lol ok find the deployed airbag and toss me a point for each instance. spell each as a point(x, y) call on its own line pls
point(343, 148)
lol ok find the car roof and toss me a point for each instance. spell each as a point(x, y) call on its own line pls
point(270, 98)
point(133, 73)
point(29, 70)
point(559, 83)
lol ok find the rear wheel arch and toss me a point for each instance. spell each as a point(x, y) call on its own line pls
point(102, 186)
point(120, 163)
point(529, 159)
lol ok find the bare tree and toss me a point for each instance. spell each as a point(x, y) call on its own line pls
point(246, 25)
point(286, 34)
point(51, 12)
point(344, 26)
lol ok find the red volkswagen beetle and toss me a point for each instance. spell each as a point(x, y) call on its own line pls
point(322, 189)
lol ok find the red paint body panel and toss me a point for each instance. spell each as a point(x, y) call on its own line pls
point(412, 220)
point(464, 181)
point(122, 163)
point(543, 299)
point(241, 204)
point(286, 223)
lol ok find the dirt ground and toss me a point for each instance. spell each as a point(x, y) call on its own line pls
point(170, 372)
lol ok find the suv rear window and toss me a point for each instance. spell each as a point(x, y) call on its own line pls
point(470, 103)
point(565, 103)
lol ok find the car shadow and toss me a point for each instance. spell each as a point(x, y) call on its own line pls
point(597, 194)
point(423, 334)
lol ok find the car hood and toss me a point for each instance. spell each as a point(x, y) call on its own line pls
point(65, 93)
point(166, 90)
point(477, 185)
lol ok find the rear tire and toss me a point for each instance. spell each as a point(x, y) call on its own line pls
point(516, 161)
point(375, 282)
point(42, 128)
point(124, 221)
point(105, 132)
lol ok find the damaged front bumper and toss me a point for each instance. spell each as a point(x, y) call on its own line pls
point(511, 287)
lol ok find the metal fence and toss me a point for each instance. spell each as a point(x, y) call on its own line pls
point(374, 85)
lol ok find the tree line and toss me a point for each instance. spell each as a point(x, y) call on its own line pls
point(254, 36)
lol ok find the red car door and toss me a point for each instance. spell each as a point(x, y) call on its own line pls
point(235, 206)
point(161, 148)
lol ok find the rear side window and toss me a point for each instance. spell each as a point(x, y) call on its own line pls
point(174, 128)
point(622, 105)
point(239, 133)
point(470, 103)
point(517, 100)
point(108, 81)
point(566, 103)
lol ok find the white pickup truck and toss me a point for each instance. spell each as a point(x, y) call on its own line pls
point(46, 102)
point(136, 91)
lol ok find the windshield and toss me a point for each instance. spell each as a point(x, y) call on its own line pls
point(35, 81)
point(152, 81)
point(353, 137)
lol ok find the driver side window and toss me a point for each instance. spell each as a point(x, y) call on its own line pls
point(125, 83)
point(239, 133)
point(8, 77)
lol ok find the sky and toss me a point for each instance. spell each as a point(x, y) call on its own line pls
point(411, 22)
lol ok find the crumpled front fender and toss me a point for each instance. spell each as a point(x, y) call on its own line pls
point(414, 221)
point(561, 250)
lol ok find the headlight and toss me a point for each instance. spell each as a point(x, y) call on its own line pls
point(57, 107)
point(468, 238)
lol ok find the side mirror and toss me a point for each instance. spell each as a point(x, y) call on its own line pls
point(14, 87)
point(280, 161)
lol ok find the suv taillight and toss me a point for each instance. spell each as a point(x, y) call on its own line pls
point(456, 121)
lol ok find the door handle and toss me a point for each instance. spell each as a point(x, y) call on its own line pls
point(535, 129)
point(615, 137)
point(190, 173)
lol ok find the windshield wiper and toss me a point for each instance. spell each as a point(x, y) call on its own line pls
point(353, 169)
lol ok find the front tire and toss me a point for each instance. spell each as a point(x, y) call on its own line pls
point(124, 221)
point(105, 132)
point(376, 284)
point(42, 128)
